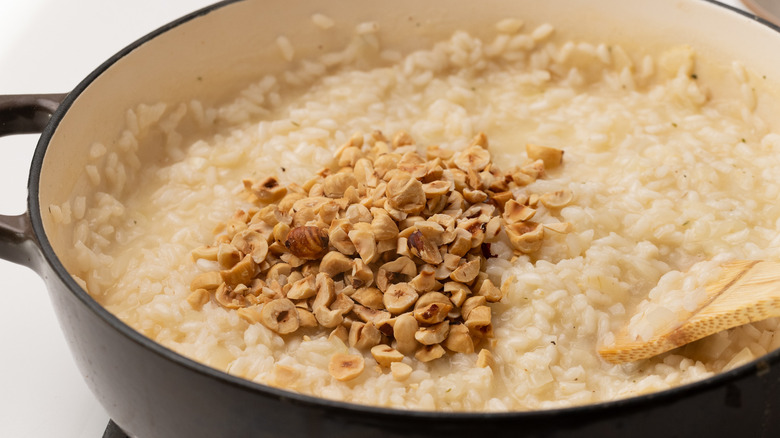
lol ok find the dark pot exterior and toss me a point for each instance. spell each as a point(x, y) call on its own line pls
point(150, 391)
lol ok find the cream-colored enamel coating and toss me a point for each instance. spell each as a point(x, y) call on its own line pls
point(217, 54)
point(746, 291)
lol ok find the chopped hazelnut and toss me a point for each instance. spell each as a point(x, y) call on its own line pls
point(437, 188)
point(250, 314)
point(207, 280)
point(402, 138)
point(302, 289)
point(228, 255)
point(328, 318)
point(480, 140)
point(474, 227)
point(433, 313)
point(473, 158)
point(404, 333)
point(284, 376)
point(551, 157)
point(426, 280)
point(399, 297)
point(466, 272)
point(385, 163)
point(385, 355)
point(459, 339)
point(405, 193)
point(384, 227)
point(479, 319)
point(229, 298)
point(368, 219)
point(471, 303)
point(241, 273)
point(367, 314)
point(462, 243)
point(358, 213)
point(360, 275)
point(413, 163)
point(292, 260)
point(525, 236)
point(434, 334)
point(474, 196)
point(345, 367)
point(399, 270)
point(342, 303)
point(339, 239)
point(492, 229)
point(327, 212)
point(431, 297)
point(436, 151)
point(516, 212)
point(427, 353)
point(349, 156)
point(280, 316)
point(368, 296)
point(205, 252)
point(557, 199)
point(286, 204)
point(306, 318)
point(198, 298)
point(341, 333)
point(277, 270)
point(335, 185)
point(267, 191)
point(558, 227)
point(521, 178)
point(326, 294)
point(384, 246)
point(501, 198)
point(485, 359)
point(364, 241)
point(458, 292)
point(400, 371)
point(365, 174)
point(363, 336)
point(424, 248)
point(432, 231)
point(535, 170)
point(491, 293)
point(334, 263)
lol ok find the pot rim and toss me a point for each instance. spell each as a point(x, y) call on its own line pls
point(758, 366)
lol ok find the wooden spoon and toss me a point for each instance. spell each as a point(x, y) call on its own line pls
point(746, 291)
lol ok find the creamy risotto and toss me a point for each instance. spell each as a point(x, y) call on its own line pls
point(665, 179)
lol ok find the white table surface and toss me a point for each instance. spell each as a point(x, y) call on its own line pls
point(48, 46)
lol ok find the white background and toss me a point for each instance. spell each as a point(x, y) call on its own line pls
point(48, 46)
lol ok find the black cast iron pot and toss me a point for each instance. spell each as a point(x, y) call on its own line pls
point(151, 391)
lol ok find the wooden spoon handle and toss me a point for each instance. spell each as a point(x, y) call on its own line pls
point(747, 291)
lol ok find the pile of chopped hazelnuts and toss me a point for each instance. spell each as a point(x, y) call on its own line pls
point(386, 249)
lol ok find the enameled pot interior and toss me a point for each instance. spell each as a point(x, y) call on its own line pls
point(213, 54)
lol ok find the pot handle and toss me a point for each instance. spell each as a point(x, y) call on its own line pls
point(23, 114)
point(27, 113)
